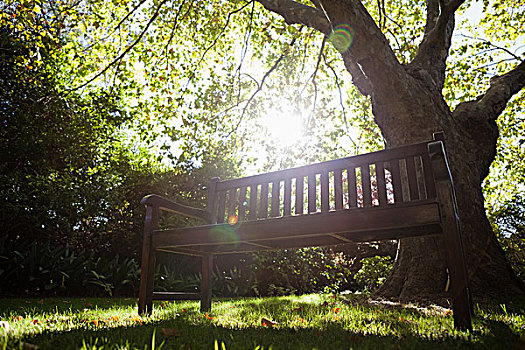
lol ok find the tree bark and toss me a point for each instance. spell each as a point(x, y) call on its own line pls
point(408, 106)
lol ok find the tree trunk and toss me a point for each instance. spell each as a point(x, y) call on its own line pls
point(420, 270)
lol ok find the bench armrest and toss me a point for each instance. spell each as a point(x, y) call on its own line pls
point(172, 207)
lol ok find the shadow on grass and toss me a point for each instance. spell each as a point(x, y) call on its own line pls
point(203, 337)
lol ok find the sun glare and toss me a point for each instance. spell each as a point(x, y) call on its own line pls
point(284, 125)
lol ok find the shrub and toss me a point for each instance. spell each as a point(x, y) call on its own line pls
point(374, 272)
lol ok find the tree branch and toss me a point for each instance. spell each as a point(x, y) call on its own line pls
point(294, 12)
point(124, 53)
point(341, 102)
point(492, 103)
point(434, 49)
point(432, 15)
point(259, 88)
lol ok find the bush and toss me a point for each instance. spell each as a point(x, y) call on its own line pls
point(374, 272)
point(508, 223)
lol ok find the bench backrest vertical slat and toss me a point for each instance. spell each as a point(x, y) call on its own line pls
point(381, 183)
point(276, 189)
point(338, 189)
point(312, 191)
point(397, 187)
point(430, 186)
point(412, 178)
point(212, 200)
point(253, 202)
point(263, 208)
point(352, 188)
point(366, 186)
point(325, 192)
point(242, 203)
point(299, 195)
point(222, 207)
point(287, 210)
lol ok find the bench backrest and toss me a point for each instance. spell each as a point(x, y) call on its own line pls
point(381, 178)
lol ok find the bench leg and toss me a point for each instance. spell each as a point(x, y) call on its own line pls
point(147, 277)
point(461, 306)
point(206, 283)
point(147, 272)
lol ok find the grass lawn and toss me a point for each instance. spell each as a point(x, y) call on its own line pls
point(293, 322)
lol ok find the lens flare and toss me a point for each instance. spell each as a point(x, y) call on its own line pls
point(342, 37)
point(233, 219)
point(225, 234)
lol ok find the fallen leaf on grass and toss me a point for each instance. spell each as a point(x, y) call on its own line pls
point(5, 326)
point(209, 317)
point(17, 318)
point(136, 318)
point(448, 312)
point(169, 332)
point(298, 309)
point(401, 319)
point(336, 310)
point(29, 346)
point(41, 301)
point(268, 323)
point(114, 318)
point(35, 321)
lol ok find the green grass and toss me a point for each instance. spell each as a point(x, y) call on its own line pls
point(302, 322)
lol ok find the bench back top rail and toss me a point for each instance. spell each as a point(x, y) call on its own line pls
point(381, 178)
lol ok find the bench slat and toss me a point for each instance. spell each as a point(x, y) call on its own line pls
point(222, 207)
point(287, 197)
point(325, 192)
point(430, 186)
point(299, 195)
point(276, 187)
point(352, 188)
point(412, 178)
point(253, 202)
point(365, 186)
point(338, 189)
point(312, 187)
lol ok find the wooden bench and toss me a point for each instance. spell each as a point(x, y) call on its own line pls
point(391, 194)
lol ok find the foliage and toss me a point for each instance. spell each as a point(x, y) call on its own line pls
point(46, 269)
point(298, 322)
point(508, 222)
point(374, 272)
point(298, 271)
